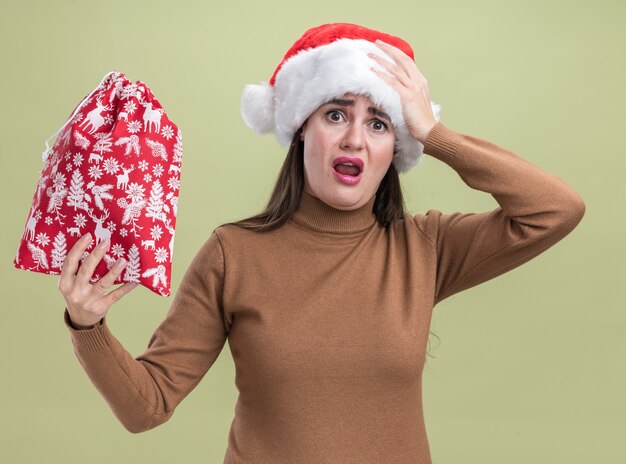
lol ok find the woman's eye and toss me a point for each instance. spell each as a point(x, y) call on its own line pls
point(337, 116)
point(332, 113)
point(381, 126)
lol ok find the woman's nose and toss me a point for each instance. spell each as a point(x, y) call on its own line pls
point(354, 137)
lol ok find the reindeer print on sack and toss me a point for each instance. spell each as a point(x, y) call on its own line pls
point(87, 184)
point(122, 179)
point(102, 234)
point(94, 118)
point(31, 223)
point(151, 118)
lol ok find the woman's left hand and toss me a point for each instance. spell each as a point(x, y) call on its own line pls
point(412, 88)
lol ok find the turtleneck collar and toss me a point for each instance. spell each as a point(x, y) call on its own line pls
point(314, 214)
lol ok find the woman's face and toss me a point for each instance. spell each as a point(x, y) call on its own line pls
point(351, 127)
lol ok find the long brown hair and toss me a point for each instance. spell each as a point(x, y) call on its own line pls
point(285, 198)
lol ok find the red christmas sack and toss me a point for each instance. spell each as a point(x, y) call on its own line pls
point(113, 171)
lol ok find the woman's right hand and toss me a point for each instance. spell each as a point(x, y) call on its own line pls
point(88, 302)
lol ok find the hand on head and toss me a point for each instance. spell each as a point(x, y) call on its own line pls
point(411, 85)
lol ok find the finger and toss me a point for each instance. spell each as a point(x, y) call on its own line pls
point(119, 292)
point(86, 268)
point(70, 265)
point(391, 80)
point(404, 60)
point(108, 280)
point(408, 65)
point(394, 52)
point(393, 69)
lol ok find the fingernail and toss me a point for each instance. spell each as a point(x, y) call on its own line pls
point(121, 263)
point(86, 236)
point(103, 245)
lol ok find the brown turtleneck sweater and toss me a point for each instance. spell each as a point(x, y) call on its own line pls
point(327, 318)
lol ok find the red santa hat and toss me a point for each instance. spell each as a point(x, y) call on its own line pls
point(326, 62)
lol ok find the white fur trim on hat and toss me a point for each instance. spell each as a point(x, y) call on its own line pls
point(314, 76)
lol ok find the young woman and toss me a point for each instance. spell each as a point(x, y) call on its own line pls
point(326, 296)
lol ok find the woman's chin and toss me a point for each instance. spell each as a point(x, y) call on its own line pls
point(346, 200)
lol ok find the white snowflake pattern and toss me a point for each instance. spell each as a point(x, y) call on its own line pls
point(48, 220)
point(95, 172)
point(143, 165)
point(135, 191)
point(68, 155)
point(157, 170)
point(130, 107)
point(147, 178)
point(78, 118)
point(111, 226)
point(117, 250)
point(134, 127)
point(160, 255)
point(123, 232)
point(42, 239)
point(78, 159)
point(80, 220)
point(167, 132)
point(68, 167)
point(173, 183)
point(110, 166)
point(156, 232)
point(59, 181)
point(108, 119)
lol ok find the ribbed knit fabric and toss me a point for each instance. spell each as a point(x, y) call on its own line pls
point(327, 317)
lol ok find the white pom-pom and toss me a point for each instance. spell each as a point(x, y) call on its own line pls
point(257, 107)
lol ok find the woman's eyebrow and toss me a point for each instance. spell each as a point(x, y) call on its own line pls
point(379, 113)
point(371, 109)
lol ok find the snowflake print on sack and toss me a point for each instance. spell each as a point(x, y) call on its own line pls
point(134, 127)
point(173, 183)
point(113, 170)
point(110, 166)
point(95, 172)
point(80, 220)
point(156, 232)
point(167, 132)
point(42, 239)
point(157, 170)
point(117, 250)
point(130, 107)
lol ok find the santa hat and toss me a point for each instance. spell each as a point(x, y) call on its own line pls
point(326, 62)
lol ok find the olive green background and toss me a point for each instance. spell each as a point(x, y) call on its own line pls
point(528, 367)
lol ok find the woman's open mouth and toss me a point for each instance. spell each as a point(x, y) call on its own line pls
point(347, 172)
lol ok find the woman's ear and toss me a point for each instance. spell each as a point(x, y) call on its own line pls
point(302, 130)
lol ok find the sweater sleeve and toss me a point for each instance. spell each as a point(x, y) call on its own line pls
point(143, 392)
point(537, 209)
